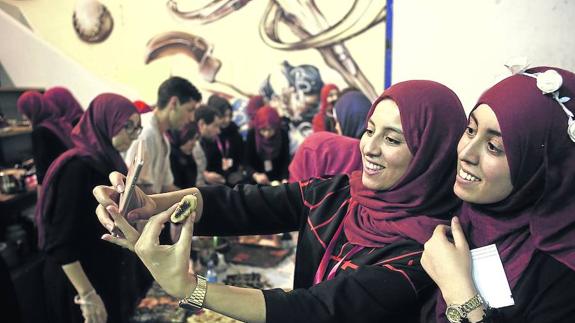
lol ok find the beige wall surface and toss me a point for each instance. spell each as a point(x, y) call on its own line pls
point(246, 59)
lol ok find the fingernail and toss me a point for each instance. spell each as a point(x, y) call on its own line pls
point(110, 227)
point(104, 237)
point(120, 188)
point(455, 219)
point(112, 209)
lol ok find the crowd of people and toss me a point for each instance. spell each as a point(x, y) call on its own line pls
point(388, 198)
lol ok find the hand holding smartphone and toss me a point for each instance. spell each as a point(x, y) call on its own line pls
point(133, 174)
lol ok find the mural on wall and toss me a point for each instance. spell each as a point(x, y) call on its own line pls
point(305, 20)
point(92, 21)
point(296, 94)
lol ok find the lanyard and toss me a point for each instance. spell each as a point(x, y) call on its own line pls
point(223, 148)
point(321, 269)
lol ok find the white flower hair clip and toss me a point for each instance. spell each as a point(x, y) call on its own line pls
point(549, 82)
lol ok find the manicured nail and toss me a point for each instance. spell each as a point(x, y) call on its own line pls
point(120, 188)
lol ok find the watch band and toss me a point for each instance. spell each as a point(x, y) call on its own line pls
point(455, 313)
point(196, 301)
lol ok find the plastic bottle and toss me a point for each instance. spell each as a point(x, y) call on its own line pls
point(211, 275)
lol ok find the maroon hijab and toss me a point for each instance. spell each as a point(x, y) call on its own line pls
point(42, 113)
point(539, 214)
point(325, 109)
point(433, 121)
point(92, 137)
point(324, 154)
point(69, 107)
point(269, 148)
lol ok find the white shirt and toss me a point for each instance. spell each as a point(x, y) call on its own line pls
point(156, 171)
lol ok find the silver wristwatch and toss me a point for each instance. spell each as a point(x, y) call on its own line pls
point(196, 301)
point(455, 313)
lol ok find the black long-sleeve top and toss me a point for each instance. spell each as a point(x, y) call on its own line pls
point(254, 163)
point(72, 233)
point(46, 147)
point(231, 146)
point(384, 284)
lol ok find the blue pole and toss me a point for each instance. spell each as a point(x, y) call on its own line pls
point(388, 43)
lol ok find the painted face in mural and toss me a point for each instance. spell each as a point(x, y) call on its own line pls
point(182, 114)
point(384, 151)
point(483, 174)
point(130, 132)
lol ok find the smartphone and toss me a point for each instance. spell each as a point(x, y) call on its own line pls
point(131, 180)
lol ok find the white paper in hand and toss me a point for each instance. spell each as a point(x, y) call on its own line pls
point(490, 278)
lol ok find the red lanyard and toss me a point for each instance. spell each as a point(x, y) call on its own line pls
point(321, 269)
point(223, 149)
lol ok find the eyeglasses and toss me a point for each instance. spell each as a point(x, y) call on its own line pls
point(132, 130)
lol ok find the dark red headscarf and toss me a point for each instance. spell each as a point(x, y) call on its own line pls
point(540, 211)
point(270, 148)
point(324, 154)
point(92, 137)
point(42, 113)
point(539, 214)
point(69, 107)
point(433, 121)
point(325, 109)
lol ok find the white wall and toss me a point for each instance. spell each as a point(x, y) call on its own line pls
point(464, 43)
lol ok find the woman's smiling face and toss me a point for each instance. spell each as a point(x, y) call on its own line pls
point(384, 151)
point(483, 174)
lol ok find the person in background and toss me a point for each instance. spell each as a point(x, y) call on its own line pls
point(177, 101)
point(325, 154)
point(225, 153)
point(516, 178)
point(267, 149)
point(254, 104)
point(350, 113)
point(85, 280)
point(50, 131)
point(360, 237)
point(323, 120)
point(182, 160)
point(69, 107)
point(208, 120)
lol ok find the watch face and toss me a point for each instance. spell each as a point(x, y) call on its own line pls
point(453, 314)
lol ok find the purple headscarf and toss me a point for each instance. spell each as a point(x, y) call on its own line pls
point(433, 121)
point(42, 113)
point(539, 214)
point(351, 111)
point(69, 107)
point(268, 148)
point(323, 154)
point(92, 137)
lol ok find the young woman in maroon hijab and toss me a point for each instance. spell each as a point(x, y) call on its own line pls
point(323, 120)
point(360, 237)
point(69, 107)
point(78, 262)
point(325, 154)
point(516, 178)
point(267, 148)
point(50, 132)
